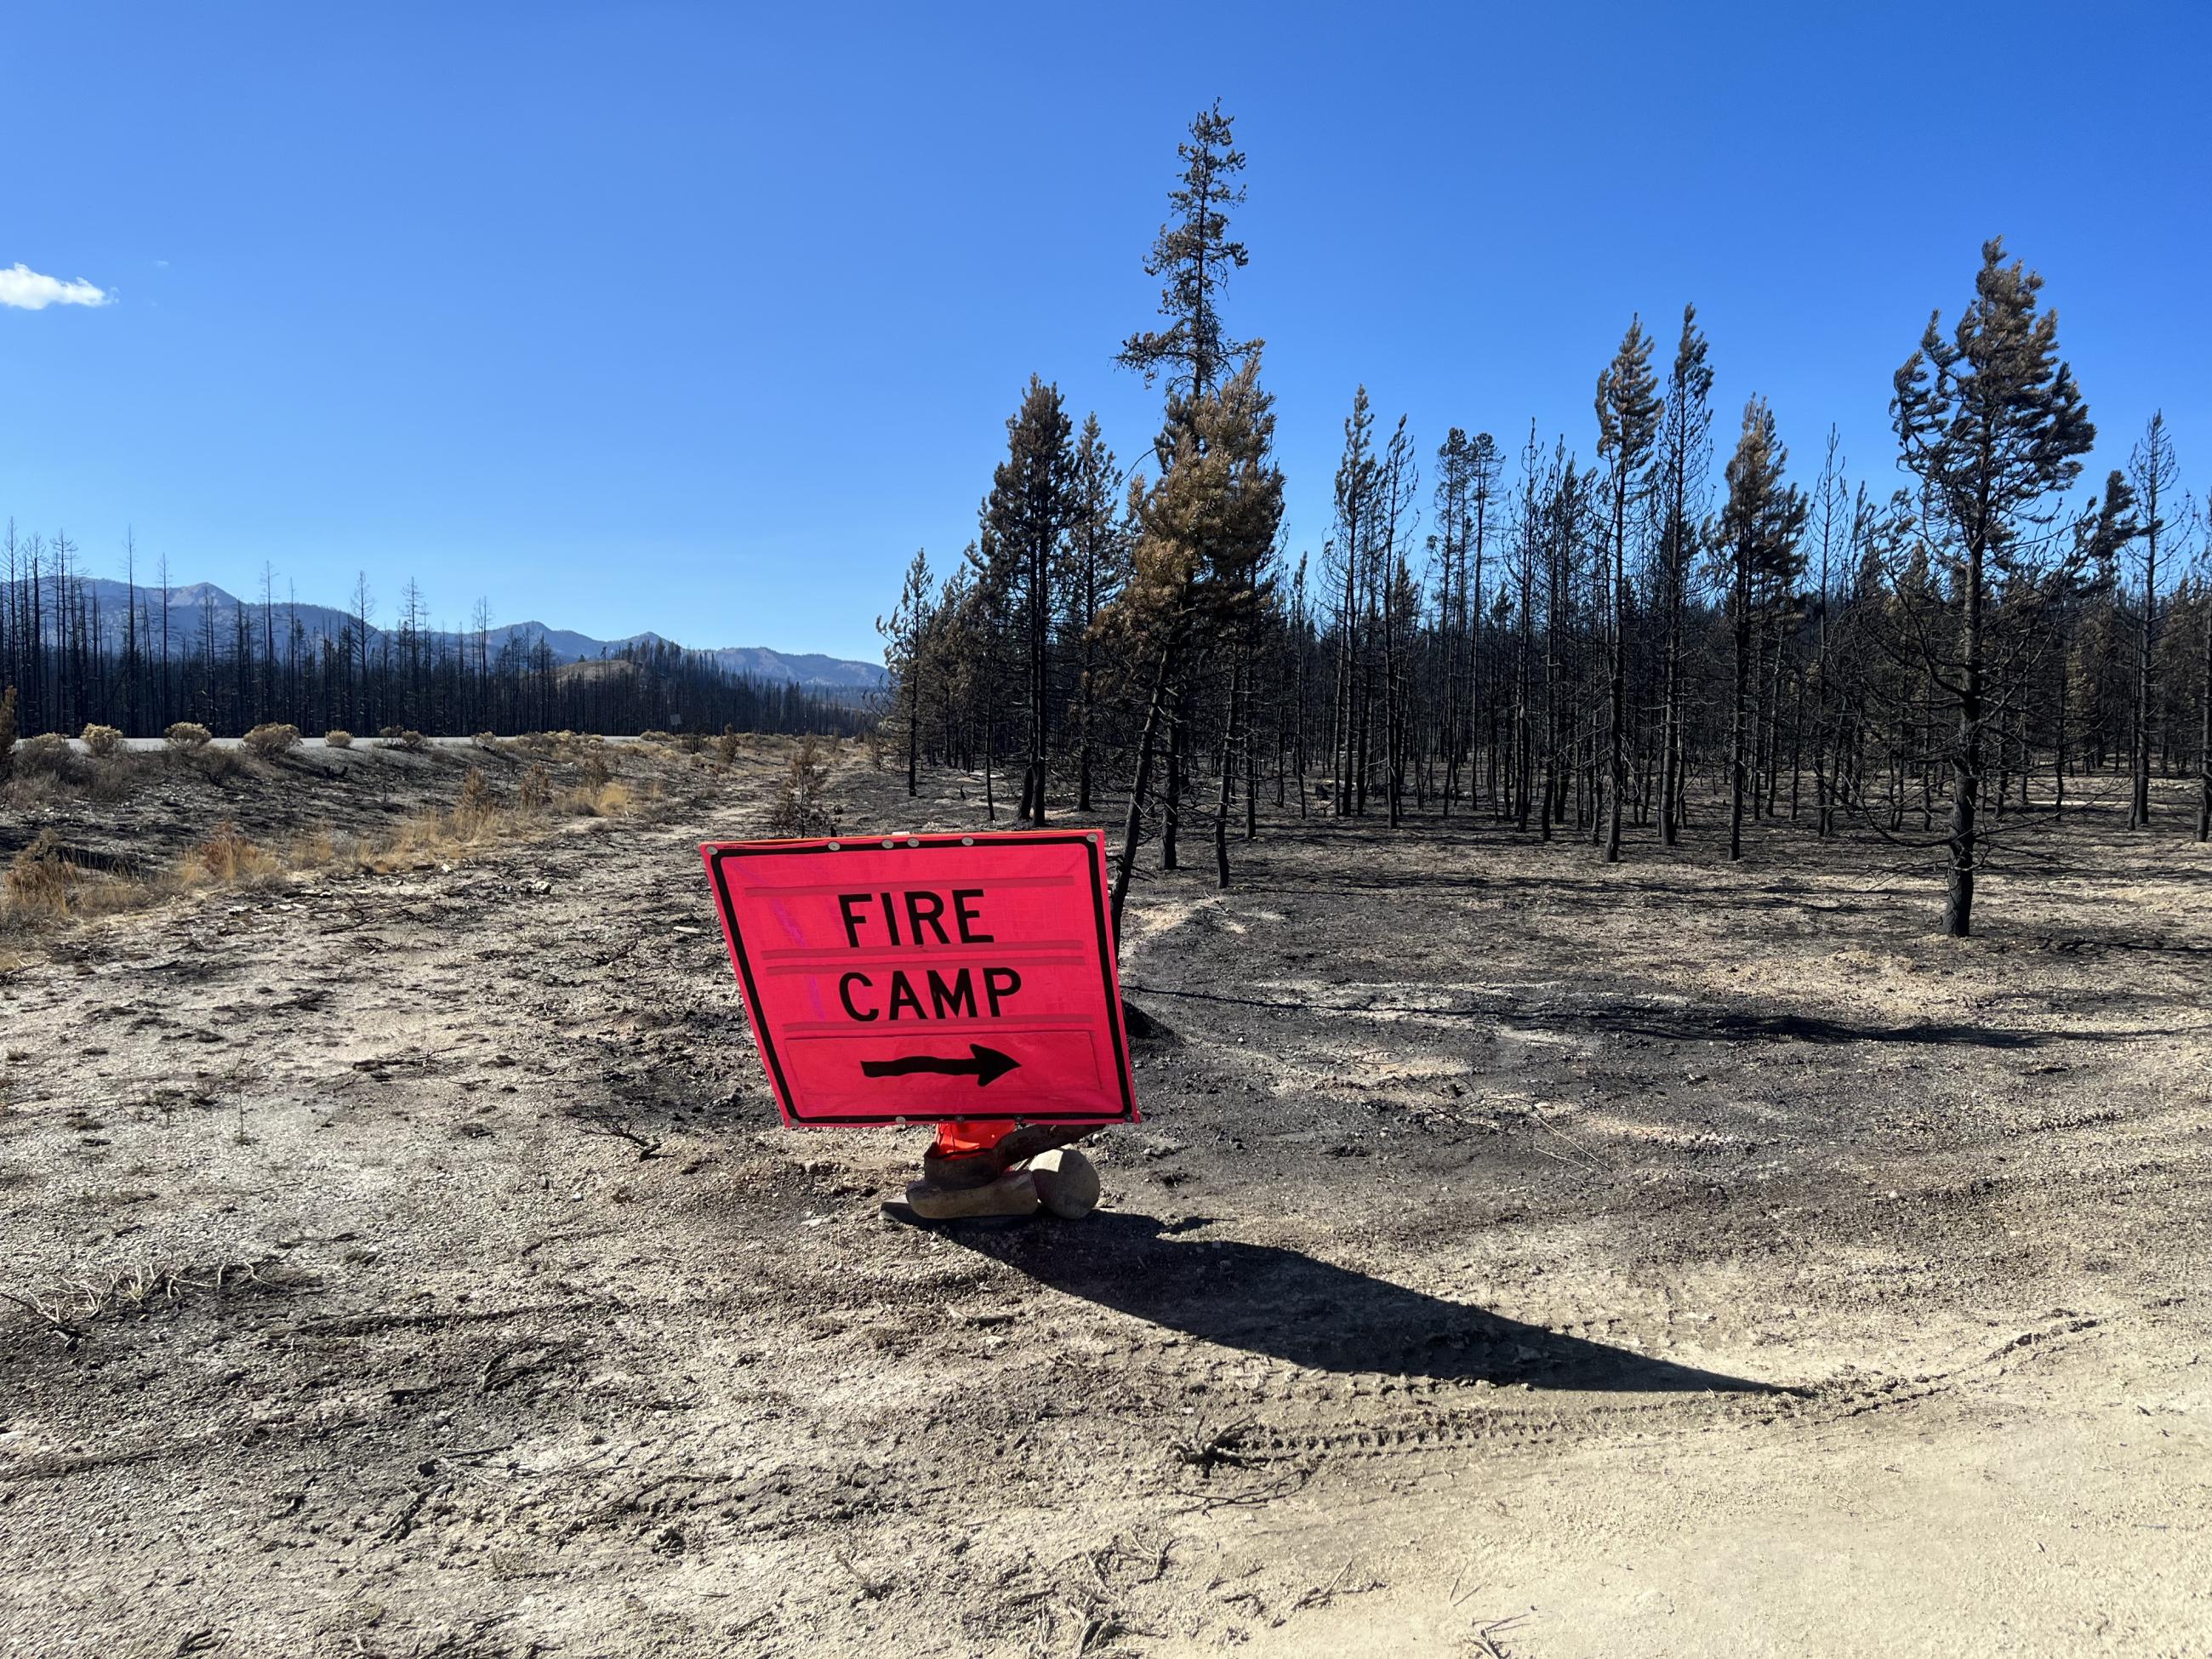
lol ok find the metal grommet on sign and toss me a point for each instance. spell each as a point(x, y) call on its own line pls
point(888, 841)
point(836, 846)
point(914, 840)
point(966, 841)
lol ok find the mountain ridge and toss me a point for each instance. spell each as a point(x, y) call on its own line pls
point(197, 606)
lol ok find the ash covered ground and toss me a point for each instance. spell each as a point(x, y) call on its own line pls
point(1520, 1256)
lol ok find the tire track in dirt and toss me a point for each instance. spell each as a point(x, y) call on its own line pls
point(692, 1393)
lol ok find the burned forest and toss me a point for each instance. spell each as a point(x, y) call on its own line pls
point(1414, 1014)
point(1661, 629)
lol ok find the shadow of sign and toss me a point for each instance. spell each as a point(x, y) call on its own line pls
point(1287, 1305)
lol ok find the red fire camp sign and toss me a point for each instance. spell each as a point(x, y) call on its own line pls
point(924, 977)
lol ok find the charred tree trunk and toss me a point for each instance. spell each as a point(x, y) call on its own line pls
point(2204, 740)
point(1966, 763)
point(1133, 833)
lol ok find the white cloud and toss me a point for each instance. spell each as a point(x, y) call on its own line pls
point(28, 290)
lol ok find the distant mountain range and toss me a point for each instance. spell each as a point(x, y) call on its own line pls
point(191, 609)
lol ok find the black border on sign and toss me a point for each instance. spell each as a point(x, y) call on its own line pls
point(1091, 841)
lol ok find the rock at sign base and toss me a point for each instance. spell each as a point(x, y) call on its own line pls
point(1014, 1192)
point(1066, 1180)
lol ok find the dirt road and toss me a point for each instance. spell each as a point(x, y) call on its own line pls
point(1519, 1257)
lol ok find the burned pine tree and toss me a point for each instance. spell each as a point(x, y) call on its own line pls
point(1685, 455)
point(1024, 517)
point(2154, 475)
point(1094, 561)
point(906, 633)
point(1597, 647)
point(1192, 256)
point(1466, 488)
point(2205, 697)
point(1204, 529)
point(1628, 411)
point(1990, 421)
point(1346, 555)
point(1758, 536)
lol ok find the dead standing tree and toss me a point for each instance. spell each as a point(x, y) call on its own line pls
point(2153, 474)
point(1685, 461)
point(2205, 705)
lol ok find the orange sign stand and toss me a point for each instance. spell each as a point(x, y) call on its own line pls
point(902, 979)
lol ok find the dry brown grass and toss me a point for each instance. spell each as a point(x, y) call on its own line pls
point(475, 824)
point(311, 849)
point(229, 859)
point(338, 738)
point(39, 878)
point(190, 736)
point(480, 820)
point(145, 1287)
point(100, 741)
point(415, 843)
point(559, 745)
point(476, 798)
point(606, 800)
point(47, 885)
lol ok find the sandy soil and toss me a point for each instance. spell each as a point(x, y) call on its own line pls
point(1519, 1257)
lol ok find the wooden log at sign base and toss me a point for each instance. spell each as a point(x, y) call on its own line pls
point(1014, 1192)
point(904, 979)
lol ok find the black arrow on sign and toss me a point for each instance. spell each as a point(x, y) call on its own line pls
point(984, 1065)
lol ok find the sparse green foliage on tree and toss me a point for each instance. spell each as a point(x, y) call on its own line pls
point(1758, 535)
point(1990, 420)
point(1193, 256)
point(905, 634)
point(1094, 562)
point(1025, 516)
point(1628, 410)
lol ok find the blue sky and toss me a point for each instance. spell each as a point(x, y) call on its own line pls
point(702, 317)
